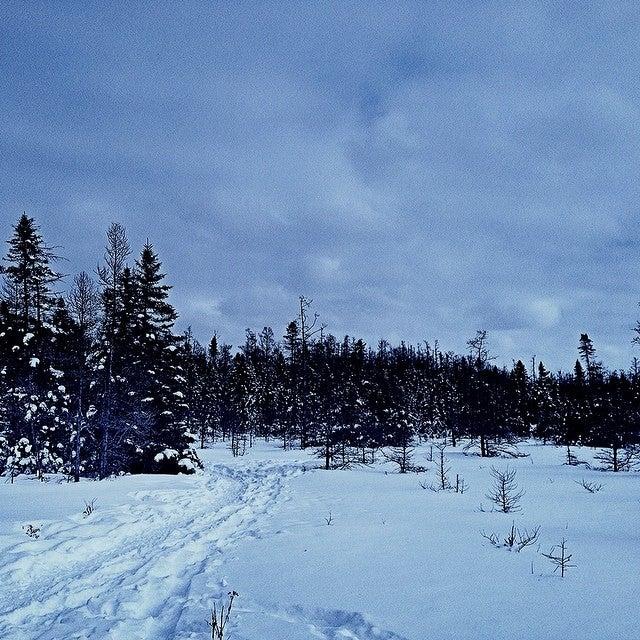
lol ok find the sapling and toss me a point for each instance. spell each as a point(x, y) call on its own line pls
point(402, 456)
point(461, 487)
point(443, 470)
point(505, 492)
point(562, 560)
point(618, 459)
point(515, 540)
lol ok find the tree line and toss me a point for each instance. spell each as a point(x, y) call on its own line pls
point(98, 382)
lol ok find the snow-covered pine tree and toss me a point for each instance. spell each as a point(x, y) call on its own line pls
point(5, 424)
point(31, 344)
point(29, 275)
point(162, 440)
point(245, 403)
point(520, 410)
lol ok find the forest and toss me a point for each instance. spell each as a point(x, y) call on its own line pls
point(97, 381)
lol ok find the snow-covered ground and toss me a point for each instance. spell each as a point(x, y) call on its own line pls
point(397, 562)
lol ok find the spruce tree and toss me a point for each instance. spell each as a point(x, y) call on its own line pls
point(159, 356)
point(32, 343)
point(29, 275)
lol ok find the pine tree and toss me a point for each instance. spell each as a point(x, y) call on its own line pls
point(163, 438)
point(547, 410)
point(588, 354)
point(32, 344)
point(29, 275)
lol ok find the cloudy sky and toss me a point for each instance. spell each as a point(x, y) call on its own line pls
point(420, 171)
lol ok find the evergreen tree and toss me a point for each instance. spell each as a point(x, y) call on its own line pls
point(161, 438)
point(29, 276)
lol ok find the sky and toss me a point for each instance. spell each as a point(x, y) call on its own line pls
point(420, 170)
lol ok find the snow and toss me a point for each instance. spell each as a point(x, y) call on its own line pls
point(397, 562)
point(167, 454)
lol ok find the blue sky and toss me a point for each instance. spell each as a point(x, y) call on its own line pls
point(420, 170)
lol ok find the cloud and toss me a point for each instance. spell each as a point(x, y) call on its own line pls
point(421, 170)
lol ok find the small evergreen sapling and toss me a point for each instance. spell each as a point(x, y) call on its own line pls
point(505, 493)
point(561, 560)
point(443, 469)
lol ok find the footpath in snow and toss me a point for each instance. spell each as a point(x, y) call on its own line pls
point(395, 562)
point(144, 565)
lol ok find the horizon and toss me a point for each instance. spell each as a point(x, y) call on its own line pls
point(420, 172)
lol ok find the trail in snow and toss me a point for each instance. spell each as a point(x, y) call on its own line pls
point(142, 571)
point(149, 569)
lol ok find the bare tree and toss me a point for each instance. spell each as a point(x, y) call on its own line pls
point(479, 350)
point(83, 302)
point(116, 253)
point(505, 492)
point(308, 329)
point(115, 256)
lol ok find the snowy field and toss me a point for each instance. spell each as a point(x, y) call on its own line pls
point(396, 561)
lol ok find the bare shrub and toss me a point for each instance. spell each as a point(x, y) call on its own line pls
point(591, 487)
point(218, 622)
point(89, 508)
point(32, 531)
point(516, 539)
